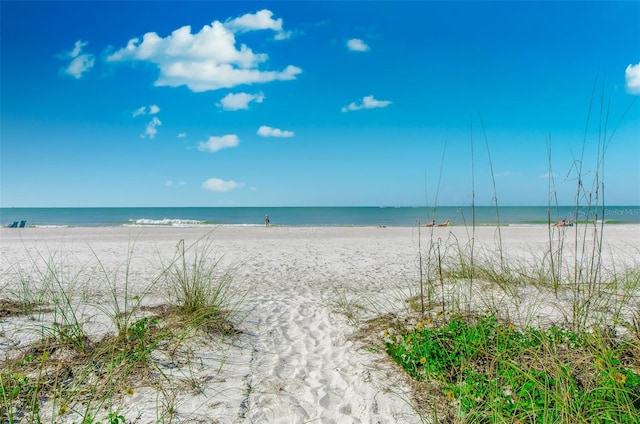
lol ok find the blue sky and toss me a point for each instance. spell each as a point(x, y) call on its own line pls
point(317, 103)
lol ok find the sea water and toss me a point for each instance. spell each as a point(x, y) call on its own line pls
point(314, 216)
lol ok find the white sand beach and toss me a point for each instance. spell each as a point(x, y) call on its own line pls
point(302, 294)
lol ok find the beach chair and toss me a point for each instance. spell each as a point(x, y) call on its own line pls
point(14, 225)
point(22, 224)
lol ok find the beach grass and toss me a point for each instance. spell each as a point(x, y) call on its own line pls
point(200, 289)
point(82, 378)
point(549, 338)
point(522, 344)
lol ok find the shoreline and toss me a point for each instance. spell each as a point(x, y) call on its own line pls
point(211, 226)
point(313, 216)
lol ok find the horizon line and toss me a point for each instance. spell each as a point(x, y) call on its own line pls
point(329, 206)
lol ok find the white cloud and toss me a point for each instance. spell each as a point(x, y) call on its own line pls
point(151, 130)
point(632, 78)
point(236, 101)
point(284, 35)
point(142, 110)
point(208, 59)
point(357, 45)
point(169, 183)
point(218, 143)
point(216, 184)
point(77, 48)
point(262, 19)
point(266, 131)
point(368, 102)
point(80, 63)
point(182, 135)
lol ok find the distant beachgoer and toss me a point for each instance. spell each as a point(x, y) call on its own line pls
point(444, 224)
point(563, 223)
point(430, 223)
point(266, 220)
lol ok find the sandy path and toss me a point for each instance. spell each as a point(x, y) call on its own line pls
point(303, 368)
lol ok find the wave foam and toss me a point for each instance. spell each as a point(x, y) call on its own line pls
point(166, 222)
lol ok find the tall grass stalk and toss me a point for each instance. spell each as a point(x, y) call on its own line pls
point(495, 192)
point(473, 217)
point(587, 261)
point(431, 269)
point(421, 271)
point(555, 252)
point(67, 327)
point(124, 306)
point(581, 371)
point(582, 282)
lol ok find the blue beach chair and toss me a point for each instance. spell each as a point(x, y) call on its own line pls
point(14, 225)
point(22, 224)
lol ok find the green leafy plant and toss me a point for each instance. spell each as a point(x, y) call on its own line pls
point(489, 369)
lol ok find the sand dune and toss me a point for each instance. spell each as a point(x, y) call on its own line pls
point(302, 294)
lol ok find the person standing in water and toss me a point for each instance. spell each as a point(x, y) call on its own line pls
point(266, 220)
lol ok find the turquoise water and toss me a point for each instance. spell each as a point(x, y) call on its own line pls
point(308, 216)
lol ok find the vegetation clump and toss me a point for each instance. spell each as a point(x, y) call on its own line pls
point(490, 371)
point(78, 375)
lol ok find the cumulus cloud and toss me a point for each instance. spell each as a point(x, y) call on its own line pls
point(266, 131)
point(215, 143)
point(632, 78)
point(182, 135)
point(216, 184)
point(142, 110)
point(357, 45)
point(262, 19)
point(208, 59)
point(368, 102)
point(80, 63)
point(151, 130)
point(237, 101)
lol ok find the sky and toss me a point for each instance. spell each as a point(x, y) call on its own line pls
point(355, 103)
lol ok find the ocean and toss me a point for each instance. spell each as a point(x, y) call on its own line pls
point(311, 216)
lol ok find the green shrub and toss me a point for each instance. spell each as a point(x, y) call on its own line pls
point(490, 371)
